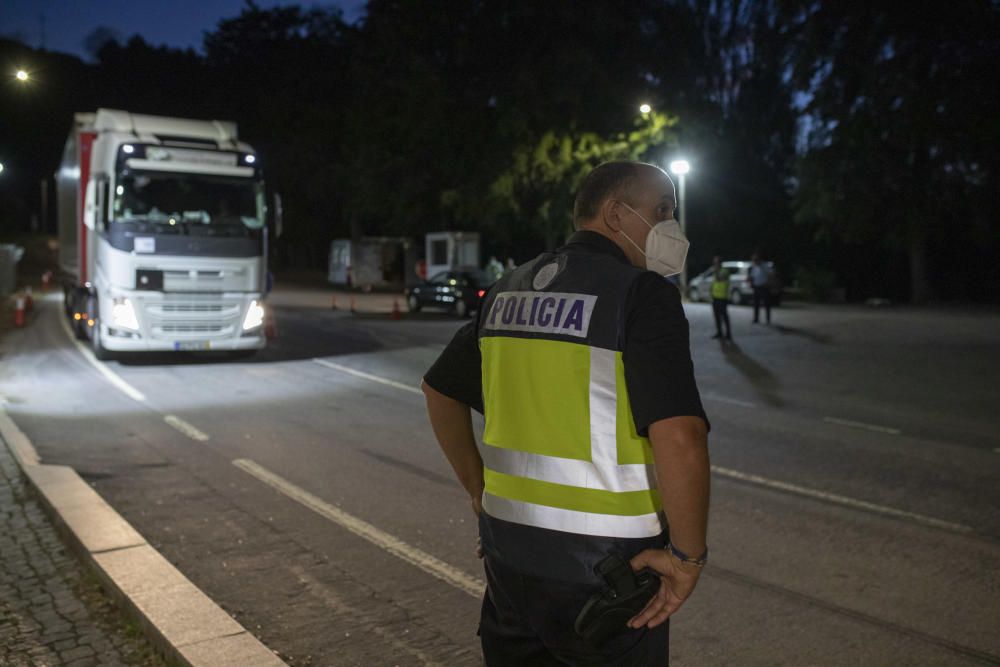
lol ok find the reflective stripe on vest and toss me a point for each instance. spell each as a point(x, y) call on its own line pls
point(560, 449)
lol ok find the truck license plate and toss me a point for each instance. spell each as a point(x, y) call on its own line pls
point(192, 345)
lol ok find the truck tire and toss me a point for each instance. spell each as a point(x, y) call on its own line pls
point(736, 297)
point(100, 352)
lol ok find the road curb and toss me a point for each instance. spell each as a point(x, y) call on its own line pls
point(178, 619)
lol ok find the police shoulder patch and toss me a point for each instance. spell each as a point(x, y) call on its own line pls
point(545, 275)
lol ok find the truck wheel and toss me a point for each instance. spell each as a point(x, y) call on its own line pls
point(100, 352)
point(736, 297)
point(693, 295)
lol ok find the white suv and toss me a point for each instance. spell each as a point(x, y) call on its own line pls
point(740, 292)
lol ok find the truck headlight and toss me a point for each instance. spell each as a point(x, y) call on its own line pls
point(123, 314)
point(255, 316)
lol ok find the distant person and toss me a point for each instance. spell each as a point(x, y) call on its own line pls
point(494, 268)
point(720, 299)
point(761, 276)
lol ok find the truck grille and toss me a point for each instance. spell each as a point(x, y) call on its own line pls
point(192, 317)
point(192, 307)
point(190, 328)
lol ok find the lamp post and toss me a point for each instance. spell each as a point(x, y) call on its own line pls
point(680, 168)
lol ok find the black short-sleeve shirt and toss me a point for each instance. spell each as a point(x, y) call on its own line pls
point(659, 374)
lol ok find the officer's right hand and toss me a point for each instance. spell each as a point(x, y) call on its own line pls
point(677, 581)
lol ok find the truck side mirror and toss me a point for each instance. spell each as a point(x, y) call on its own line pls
point(96, 203)
point(90, 205)
point(104, 204)
point(279, 223)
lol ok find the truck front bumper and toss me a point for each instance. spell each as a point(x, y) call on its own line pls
point(168, 322)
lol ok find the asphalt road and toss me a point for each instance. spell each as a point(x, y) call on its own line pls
point(856, 495)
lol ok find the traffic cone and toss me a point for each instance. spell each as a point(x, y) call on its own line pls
point(19, 312)
point(395, 315)
point(333, 302)
point(354, 306)
point(29, 302)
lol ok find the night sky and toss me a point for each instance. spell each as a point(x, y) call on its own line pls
point(175, 23)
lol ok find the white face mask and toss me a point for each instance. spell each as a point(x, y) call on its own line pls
point(666, 245)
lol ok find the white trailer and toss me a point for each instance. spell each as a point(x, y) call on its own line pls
point(162, 234)
point(450, 250)
point(373, 262)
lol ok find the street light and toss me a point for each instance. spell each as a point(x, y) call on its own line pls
point(22, 75)
point(645, 108)
point(1, 167)
point(680, 168)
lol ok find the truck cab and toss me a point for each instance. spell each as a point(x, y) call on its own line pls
point(162, 234)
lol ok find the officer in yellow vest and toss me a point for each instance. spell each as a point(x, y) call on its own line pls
point(595, 442)
point(720, 299)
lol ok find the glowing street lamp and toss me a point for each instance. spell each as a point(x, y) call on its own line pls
point(22, 75)
point(1, 167)
point(680, 168)
point(645, 108)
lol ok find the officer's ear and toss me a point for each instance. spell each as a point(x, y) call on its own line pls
point(612, 213)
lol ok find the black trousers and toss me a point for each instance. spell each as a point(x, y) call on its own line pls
point(529, 621)
point(720, 309)
point(761, 294)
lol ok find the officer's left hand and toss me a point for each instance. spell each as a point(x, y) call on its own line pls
point(677, 581)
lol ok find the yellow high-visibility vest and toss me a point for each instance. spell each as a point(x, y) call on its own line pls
point(720, 284)
point(560, 448)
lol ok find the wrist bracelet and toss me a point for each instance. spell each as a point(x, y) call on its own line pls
point(684, 558)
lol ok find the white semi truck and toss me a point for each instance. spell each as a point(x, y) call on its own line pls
point(162, 234)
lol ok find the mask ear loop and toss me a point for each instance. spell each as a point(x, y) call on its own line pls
point(622, 231)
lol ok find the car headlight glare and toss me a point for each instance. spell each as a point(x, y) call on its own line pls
point(254, 317)
point(123, 314)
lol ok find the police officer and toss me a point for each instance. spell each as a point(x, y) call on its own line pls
point(720, 299)
point(595, 435)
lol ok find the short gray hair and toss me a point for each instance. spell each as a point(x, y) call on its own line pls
point(605, 181)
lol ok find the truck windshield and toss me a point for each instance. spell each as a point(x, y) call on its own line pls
point(190, 203)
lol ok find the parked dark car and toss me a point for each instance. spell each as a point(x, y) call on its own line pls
point(459, 291)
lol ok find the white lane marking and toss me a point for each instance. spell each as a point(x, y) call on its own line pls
point(724, 399)
point(368, 376)
point(108, 374)
point(867, 427)
point(185, 428)
point(395, 546)
point(755, 479)
point(841, 500)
